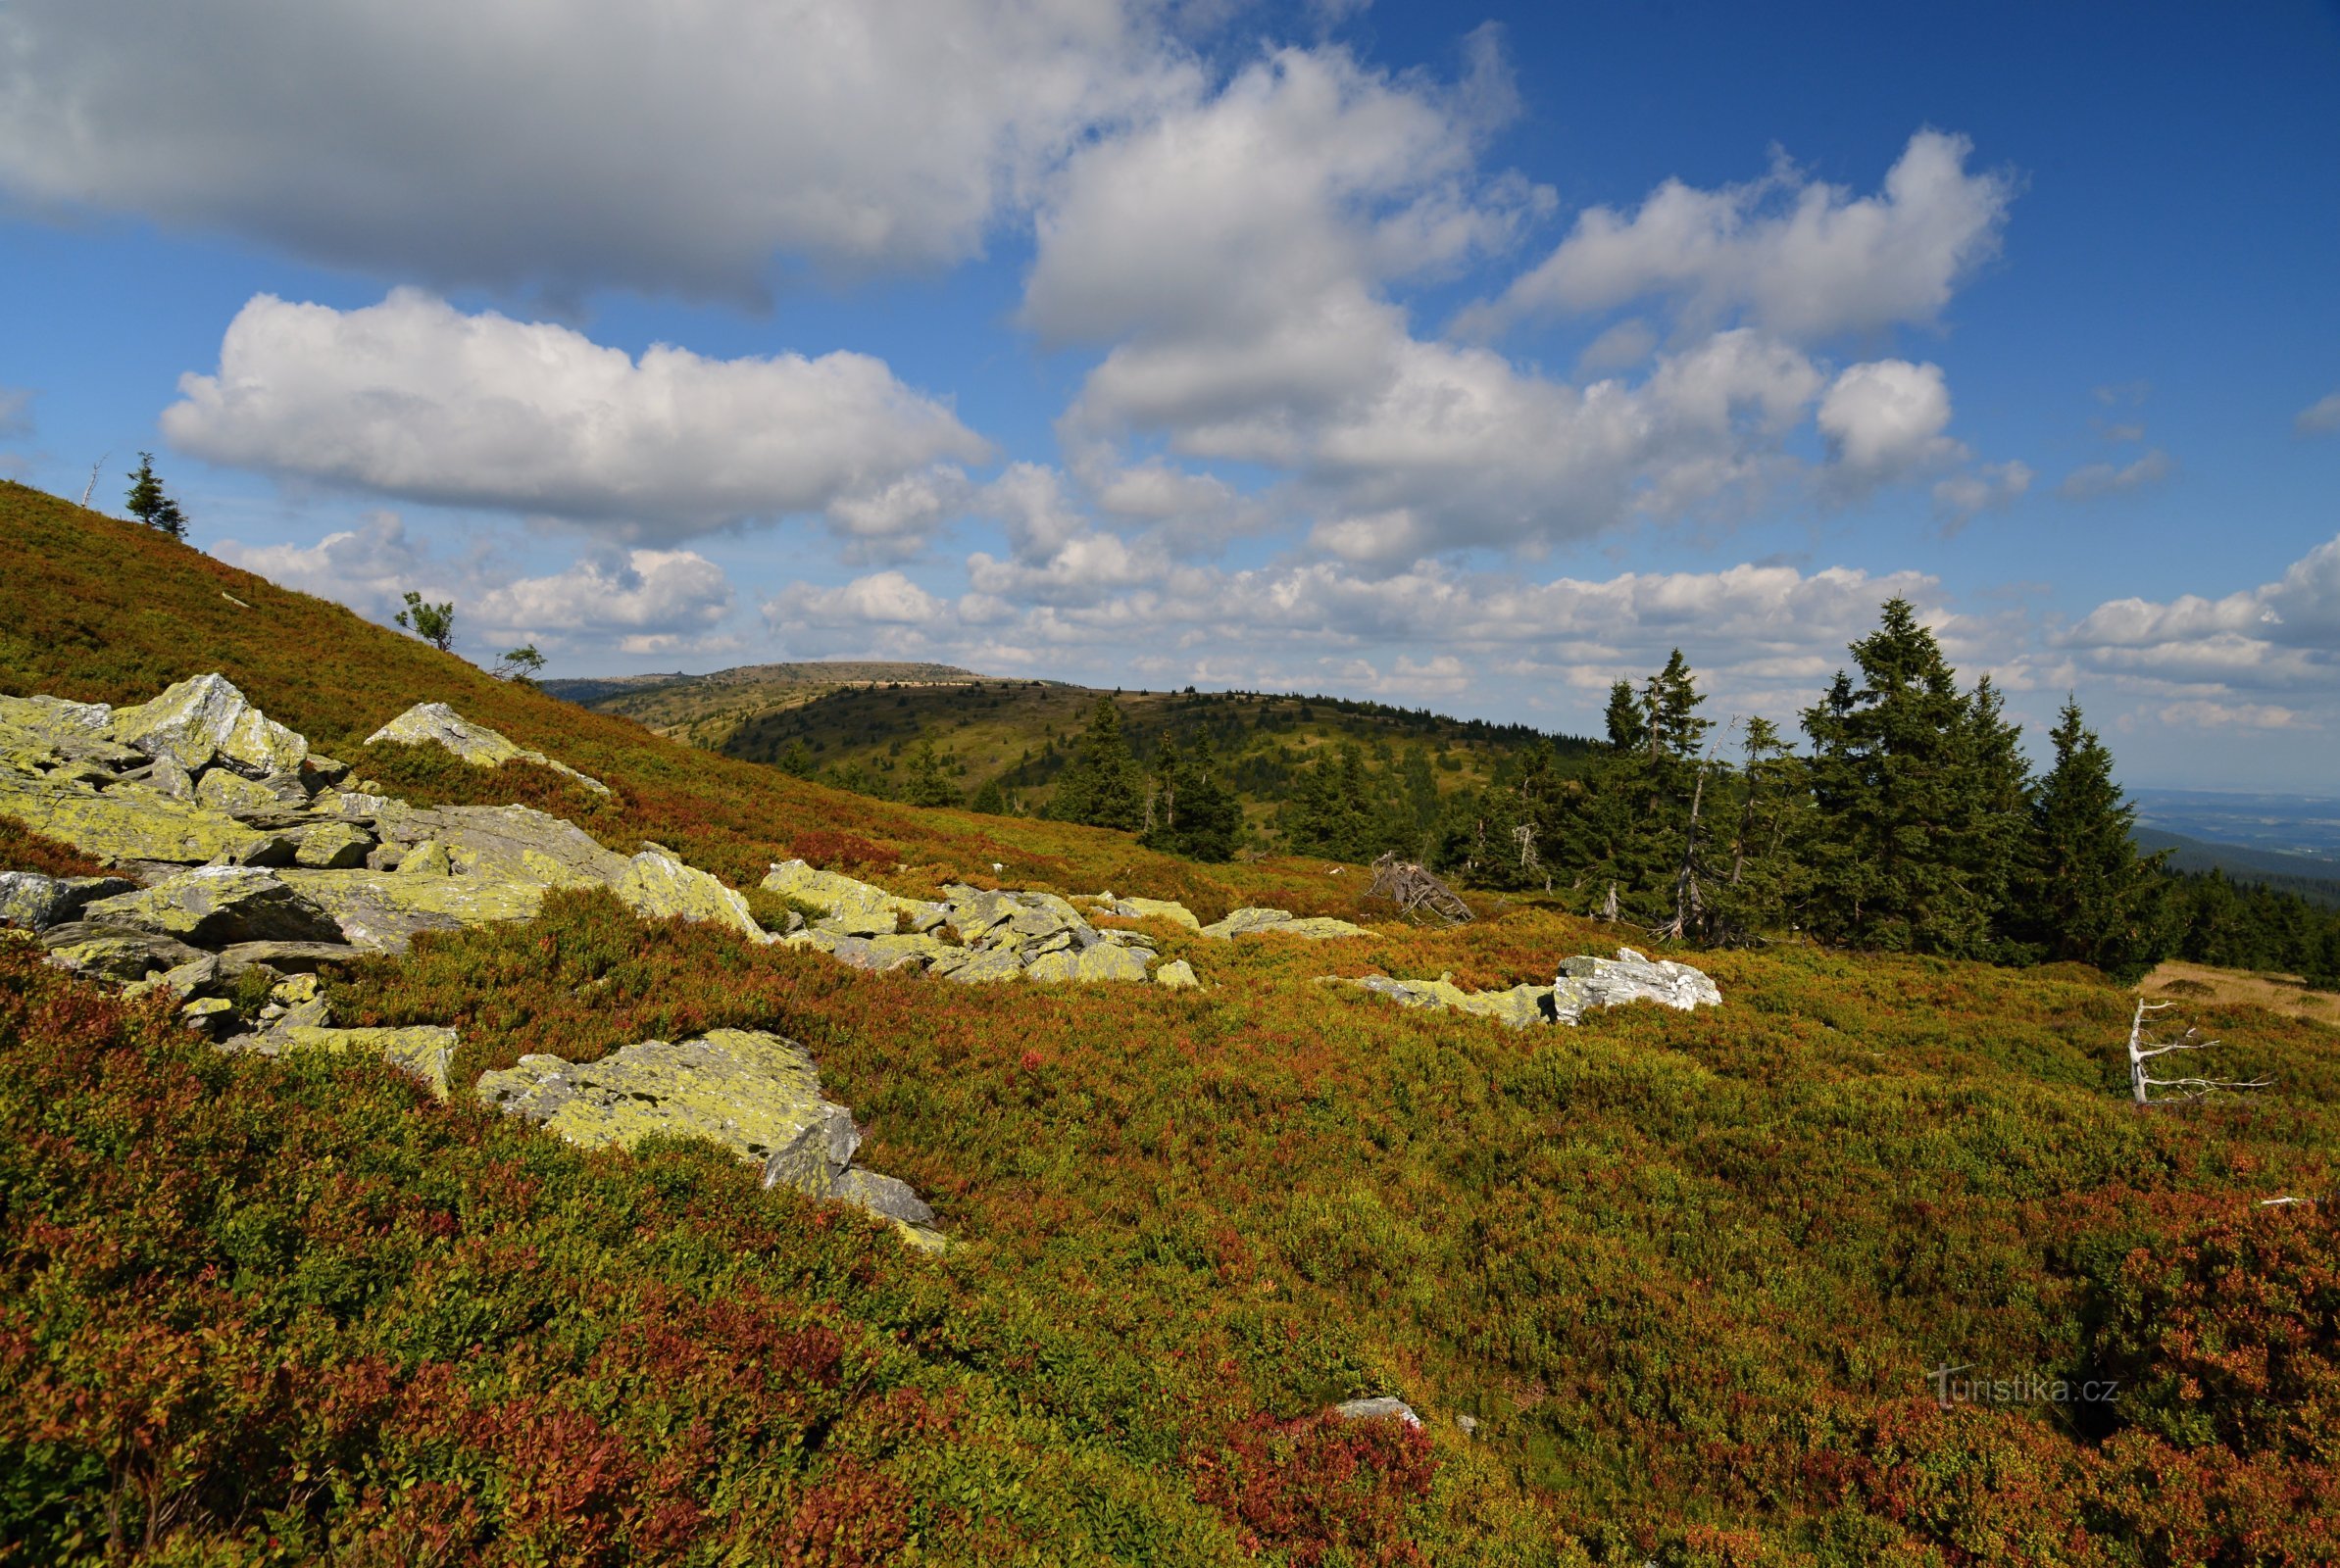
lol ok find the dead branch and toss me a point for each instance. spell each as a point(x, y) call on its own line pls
point(1418, 896)
point(2148, 1090)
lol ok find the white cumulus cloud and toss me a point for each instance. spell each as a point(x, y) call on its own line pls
point(1798, 257)
point(413, 399)
point(600, 142)
point(1885, 419)
point(2092, 481)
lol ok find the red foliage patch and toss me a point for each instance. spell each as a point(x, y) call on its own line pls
point(827, 848)
point(1313, 1486)
point(23, 849)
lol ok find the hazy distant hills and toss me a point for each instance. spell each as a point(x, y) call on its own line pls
point(703, 709)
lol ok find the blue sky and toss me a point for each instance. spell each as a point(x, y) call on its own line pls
point(1463, 358)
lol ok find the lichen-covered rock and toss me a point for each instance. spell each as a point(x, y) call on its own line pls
point(1103, 961)
point(753, 1092)
point(1177, 975)
point(54, 725)
point(421, 1048)
point(855, 908)
point(216, 904)
point(288, 957)
point(659, 887)
point(114, 953)
point(1158, 909)
point(1283, 922)
point(1631, 977)
point(427, 858)
point(223, 789)
point(206, 1014)
point(977, 965)
point(437, 725)
point(204, 720)
point(332, 847)
point(35, 902)
point(1521, 1006)
point(124, 822)
point(382, 911)
point(505, 842)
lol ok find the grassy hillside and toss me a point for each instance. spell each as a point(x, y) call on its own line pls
point(705, 710)
point(1021, 734)
point(1686, 1273)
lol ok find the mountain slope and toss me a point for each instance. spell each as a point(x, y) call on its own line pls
point(1687, 1274)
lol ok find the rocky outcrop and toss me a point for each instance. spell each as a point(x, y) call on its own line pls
point(206, 720)
point(1282, 923)
point(1376, 1410)
point(437, 725)
point(971, 935)
point(1583, 982)
point(755, 1094)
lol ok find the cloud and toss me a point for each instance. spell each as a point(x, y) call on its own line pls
point(1238, 255)
point(2320, 418)
point(16, 412)
point(2282, 635)
point(1802, 259)
point(1991, 487)
point(1884, 419)
point(2234, 715)
point(413, 399)
point(605, 143)
point(637, 601)
point(2094, 480)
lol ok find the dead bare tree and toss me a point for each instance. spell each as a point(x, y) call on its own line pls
point(2144, 1049)
point(1418, 896)
point(1689, 903)
point(91, 486)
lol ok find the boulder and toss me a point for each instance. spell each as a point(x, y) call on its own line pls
point(217, 904)
point(206, 1014)
point(1158, 909)
point(657, 887)
point(225, 789)
point(36, 903)
point(204, 720)
point(974, 966)
point(295, 958)
point(114, 953)
point(755, 1094)
point(1177, 975)
point(420, 1050)
point(1521, 1006)
point(1376, 1410)
point(1283, 922)
point(382, 911)
point(1588, 982)
point(437, 725)
point(332, 847)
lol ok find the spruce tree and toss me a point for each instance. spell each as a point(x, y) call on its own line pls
point(929, 781)
point(1910, 781)
point(1194, 813)
point(1102, 786)
point(2092, 899)
point(147, 502)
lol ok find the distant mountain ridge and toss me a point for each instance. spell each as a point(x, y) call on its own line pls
point(2312, 877)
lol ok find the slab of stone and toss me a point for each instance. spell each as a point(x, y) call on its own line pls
point(506, 843)
point(1376, 1410)
point(124, 822)
point(382, 911)
point(657, 887)
point(855, 908)
point(114, 953)
point(1521, 1006)
point(437, 725)
point(214, 905)
point(1158, 909)
point(1282, 922)
point(1103, 961)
